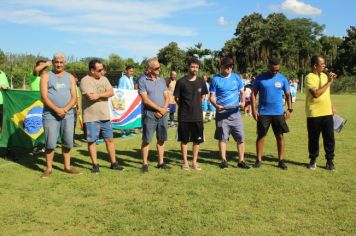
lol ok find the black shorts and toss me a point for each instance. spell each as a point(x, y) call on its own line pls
point(279, 125)
point(190, 132)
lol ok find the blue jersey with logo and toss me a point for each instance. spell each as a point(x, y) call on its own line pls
point(227, 92)
point(270, 90)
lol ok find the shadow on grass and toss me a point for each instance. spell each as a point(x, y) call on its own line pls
point(37, 162)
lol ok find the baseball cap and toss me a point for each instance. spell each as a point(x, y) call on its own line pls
point(226, 61)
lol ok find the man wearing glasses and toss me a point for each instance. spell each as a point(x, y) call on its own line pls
point(96, 90)
point(270, 86)
point(155, 99)
point(227, 96)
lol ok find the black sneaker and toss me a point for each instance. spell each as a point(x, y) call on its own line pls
point(163, 166)
point(330, 165)
point(224, 165)
point(144, 168)
point(116, 166)
point(243, 165)
point(95, 169)
point(282, 165)
point(257, 164)
point(312, 164)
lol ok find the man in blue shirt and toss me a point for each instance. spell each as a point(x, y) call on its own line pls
point(270, 86)
point(126, 80)
point(155, 99)
point(227, 96)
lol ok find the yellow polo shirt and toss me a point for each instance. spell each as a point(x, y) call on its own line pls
point(321, 106)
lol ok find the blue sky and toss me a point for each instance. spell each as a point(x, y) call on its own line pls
point(139, 28)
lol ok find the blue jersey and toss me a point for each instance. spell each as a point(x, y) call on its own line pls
point(270, 91)
point(227, 92)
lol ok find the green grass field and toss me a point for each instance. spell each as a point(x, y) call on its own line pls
point(266, 201)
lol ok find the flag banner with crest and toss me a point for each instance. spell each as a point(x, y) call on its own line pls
point(22, 119)
point(125, 109)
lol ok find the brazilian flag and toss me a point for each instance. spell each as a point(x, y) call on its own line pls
point(22, 119)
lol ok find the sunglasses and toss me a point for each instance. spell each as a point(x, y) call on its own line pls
point(157, 68)
point(100, 70)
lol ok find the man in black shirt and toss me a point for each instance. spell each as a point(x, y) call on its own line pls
point(189, 94)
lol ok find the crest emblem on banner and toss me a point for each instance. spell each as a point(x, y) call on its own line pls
point(30, 120)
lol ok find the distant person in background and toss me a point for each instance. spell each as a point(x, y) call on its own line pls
point(189, 94)
point(269, 86)
point(206, 98)
point(96, 91)
point(35, 75)
point(293, 90)
point(126, 82)
point(319, 110)
point(211, 108)
point(171, 83)
point(58, 92)
point(248, 92)
point(77, 108)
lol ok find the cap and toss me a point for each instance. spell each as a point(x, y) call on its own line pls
point(227, 61)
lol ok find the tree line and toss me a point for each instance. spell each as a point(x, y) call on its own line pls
point(255, 39)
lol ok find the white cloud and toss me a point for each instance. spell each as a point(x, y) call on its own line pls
point(299, 8)
point(222, 21)
point(101, 16)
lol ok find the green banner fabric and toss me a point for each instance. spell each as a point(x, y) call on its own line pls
point(22, 119)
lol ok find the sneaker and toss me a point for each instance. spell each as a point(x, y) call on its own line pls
point(72, 171)
point(257, 164)
point(144, 168)
point(185, 166)
point(95, 169)
point(282, 165)
point(163, 166)
point(116, 166)
point(243, 165)
point(46, 173)
point(196, 166)
point(312, 164)
point(330, 165)
point(223, 165)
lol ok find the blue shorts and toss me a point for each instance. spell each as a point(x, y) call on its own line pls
point(95, 128)
point(172, 108)
point(204, 106)
point(63, 127)
point(150, 125)
point(211, 107)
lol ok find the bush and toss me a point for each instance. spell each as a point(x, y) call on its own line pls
point(344, 84)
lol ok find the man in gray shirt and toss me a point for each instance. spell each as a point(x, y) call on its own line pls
point(155, 99)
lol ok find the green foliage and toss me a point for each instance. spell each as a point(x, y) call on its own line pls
point(344, 84)
point(172, 56)
point(347, 56)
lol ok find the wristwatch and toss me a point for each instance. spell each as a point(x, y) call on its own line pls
point(290, 110)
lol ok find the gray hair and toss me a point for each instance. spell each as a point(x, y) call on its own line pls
point(149, 62)
point(59, 55)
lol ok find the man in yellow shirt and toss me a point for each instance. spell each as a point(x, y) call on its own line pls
point(319, 111)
